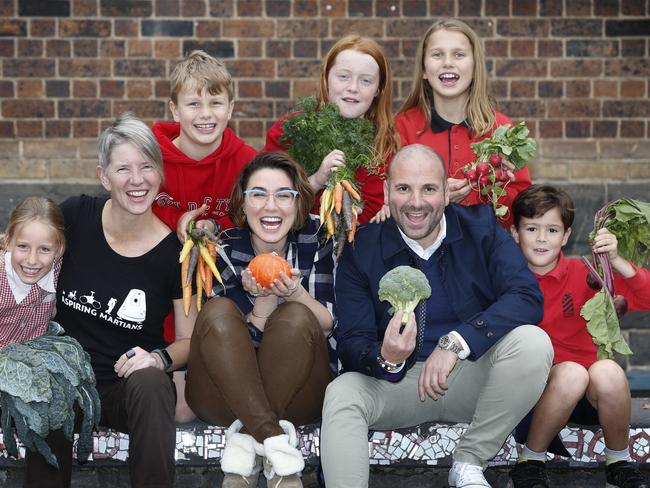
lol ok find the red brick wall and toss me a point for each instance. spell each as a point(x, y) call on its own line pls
point(576, 70)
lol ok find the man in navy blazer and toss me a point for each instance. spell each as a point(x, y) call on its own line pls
point(465, 355)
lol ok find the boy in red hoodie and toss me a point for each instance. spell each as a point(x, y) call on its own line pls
point(202, 157)
point(581, 389)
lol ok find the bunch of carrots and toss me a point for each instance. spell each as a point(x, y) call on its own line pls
point(340, 207)
point(199, 253)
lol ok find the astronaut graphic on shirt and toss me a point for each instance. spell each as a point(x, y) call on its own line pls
point(132, 310)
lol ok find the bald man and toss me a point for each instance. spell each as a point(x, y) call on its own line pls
point(465, 355)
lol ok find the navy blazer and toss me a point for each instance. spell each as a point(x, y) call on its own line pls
point(486, 277)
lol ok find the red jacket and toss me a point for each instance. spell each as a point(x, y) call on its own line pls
point(190, 183)
point(452, 142)
point(565, 291)
point(372, 186)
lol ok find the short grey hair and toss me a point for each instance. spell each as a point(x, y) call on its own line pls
point(127, 128)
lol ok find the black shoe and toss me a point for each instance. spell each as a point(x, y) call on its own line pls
point(529, 474)
point(625, 474)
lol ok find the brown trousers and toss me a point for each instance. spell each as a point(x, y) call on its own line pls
point(285, 378)
point(142, 406)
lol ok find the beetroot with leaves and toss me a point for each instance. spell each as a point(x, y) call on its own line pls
point(629, 221)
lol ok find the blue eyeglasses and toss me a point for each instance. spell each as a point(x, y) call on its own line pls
point(258, 198)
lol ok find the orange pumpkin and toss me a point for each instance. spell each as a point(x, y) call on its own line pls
point(267, 267)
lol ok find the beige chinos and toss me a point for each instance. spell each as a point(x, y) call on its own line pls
point(492, 394)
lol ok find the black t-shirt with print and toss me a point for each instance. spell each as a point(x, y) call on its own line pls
point(108, 302)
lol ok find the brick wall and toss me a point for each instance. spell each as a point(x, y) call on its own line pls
point(576, 70)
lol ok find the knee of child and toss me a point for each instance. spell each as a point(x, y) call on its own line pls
point(569, 379)
point(608, 377)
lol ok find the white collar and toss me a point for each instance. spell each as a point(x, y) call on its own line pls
point(428, 252)
point(19, 289)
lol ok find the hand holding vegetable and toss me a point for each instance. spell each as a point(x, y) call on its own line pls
point(399, 343)
point(459, 188)
point(186, 220)
point(403, 287)
point(331, 148)
point(199, 253)
point(333, 161)
point(251, 286)
point(288, 286)
point(508, 149)
point(628, 221)
point(606, 242)
point(340, 207)
point(382, 215)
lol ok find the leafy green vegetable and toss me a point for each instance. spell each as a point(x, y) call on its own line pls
point(602, 324)
point(403, 287)
point(629, 221)
point(511, 141)
point(40, 381)
point(313, 133)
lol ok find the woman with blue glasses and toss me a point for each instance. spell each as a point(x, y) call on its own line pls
point(259, 356)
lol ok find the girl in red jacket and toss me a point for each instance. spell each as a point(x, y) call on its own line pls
point(357, 77)
point(449, 107)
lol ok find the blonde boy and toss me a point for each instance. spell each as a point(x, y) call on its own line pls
point(202, 157)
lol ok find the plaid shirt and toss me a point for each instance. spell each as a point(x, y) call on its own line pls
point(20, 322)
point(307, 251)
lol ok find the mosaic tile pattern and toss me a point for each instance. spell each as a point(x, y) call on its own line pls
point(425, 445)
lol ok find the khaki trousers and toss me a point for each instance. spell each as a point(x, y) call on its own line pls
point(492, 394)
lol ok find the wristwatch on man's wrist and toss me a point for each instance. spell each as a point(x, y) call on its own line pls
point(388, 366)
point(447, 343)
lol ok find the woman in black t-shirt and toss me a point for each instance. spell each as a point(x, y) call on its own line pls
point(118, 282)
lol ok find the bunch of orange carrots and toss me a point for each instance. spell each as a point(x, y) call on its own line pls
point(340, 207)
point(199, 253)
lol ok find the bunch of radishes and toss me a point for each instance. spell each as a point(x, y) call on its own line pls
point(479, 175)
point(490, 179)
point(487, 174)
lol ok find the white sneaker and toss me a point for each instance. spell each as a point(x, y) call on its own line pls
point(465, 475)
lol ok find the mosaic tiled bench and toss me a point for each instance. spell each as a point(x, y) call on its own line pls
point(422, 446)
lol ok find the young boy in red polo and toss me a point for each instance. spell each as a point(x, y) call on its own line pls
point(580, 388)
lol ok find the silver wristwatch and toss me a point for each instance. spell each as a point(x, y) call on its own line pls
point(448, 344)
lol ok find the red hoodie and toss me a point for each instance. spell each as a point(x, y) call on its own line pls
point(190, 183)
point(452, 142)
point(372, 186)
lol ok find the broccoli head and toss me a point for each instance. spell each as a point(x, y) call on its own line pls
point(403, 287)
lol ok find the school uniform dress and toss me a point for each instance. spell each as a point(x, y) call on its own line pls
point(25, 310)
